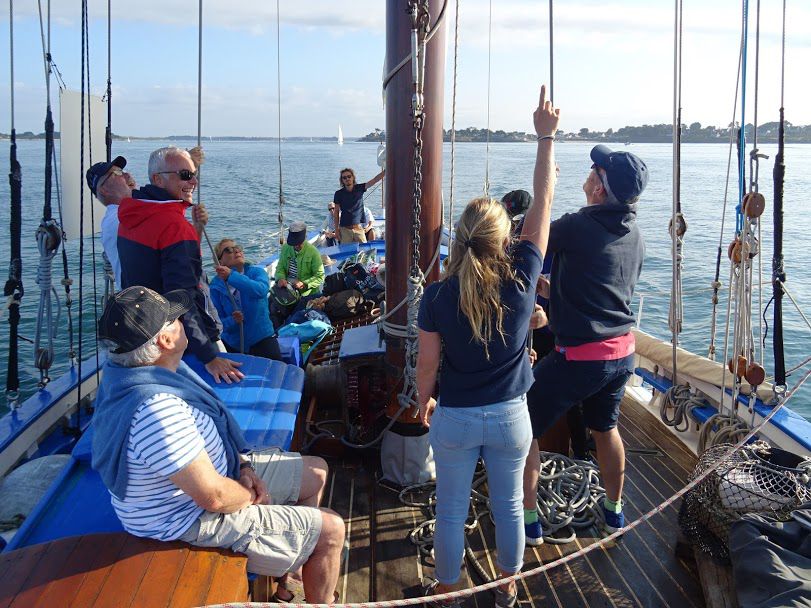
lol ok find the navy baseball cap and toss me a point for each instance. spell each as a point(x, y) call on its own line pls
point(133, 316)
point(626, 173)
point(99, 170)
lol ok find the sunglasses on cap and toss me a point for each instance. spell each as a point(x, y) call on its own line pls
point(233, 249)
point(117, 171)
point(184, 174)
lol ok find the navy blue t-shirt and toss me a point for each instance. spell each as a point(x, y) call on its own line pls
point(467, 377)
point(351, 204)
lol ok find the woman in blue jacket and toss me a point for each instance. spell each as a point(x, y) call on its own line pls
point(249, 285)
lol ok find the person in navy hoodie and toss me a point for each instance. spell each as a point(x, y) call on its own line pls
point(598, 254)
point(158, 248)
point(475, 322)
point(248, 284)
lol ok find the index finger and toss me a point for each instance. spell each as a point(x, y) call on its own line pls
point(542, 100)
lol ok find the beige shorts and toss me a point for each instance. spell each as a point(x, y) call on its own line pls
point(277, 538)
point(352, 234)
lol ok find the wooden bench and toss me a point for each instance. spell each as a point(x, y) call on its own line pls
point(119, 569)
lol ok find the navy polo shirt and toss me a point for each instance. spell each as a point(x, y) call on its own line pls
point(467, 378)
point(351, 204)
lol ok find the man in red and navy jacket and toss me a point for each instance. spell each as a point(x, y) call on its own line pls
point(160, 249)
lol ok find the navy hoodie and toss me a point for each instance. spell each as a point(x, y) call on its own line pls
point(160, 249)
point(598, 258)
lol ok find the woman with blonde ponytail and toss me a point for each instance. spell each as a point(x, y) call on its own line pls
point(475, 321)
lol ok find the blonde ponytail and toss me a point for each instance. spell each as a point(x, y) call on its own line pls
point(481, 263)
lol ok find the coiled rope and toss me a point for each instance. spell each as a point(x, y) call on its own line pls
point(680, 399)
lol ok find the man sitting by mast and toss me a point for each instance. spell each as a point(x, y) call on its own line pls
point(159, 249)
point(171, 455)
point(299, 268)
point(349, 200)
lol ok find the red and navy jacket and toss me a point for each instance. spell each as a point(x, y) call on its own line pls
point(160, 249)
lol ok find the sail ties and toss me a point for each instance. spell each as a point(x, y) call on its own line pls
point(49, 238)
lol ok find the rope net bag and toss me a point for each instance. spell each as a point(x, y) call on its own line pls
point(754, 479)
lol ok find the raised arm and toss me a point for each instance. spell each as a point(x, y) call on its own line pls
point(375, 179)
point(536, 220)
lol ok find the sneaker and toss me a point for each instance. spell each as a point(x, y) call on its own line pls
point(504, 599)
point(429, 588)
point(534, 534)
point(613, 521)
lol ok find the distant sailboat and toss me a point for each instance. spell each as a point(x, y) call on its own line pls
point(340, 136)
point(129, 140)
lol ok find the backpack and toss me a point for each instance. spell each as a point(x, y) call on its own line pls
point(312, 332)
point(347, 304)
point(358, 277)
point(333, 283)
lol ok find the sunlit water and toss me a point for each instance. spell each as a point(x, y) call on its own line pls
point(241, 184)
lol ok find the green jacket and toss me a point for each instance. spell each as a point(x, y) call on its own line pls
point(310, 267)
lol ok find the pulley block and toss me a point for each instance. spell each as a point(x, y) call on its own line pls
point(754, 204)
point(738, 366)
point(755, 374)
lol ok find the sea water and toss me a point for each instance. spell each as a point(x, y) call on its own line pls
point(240, 188)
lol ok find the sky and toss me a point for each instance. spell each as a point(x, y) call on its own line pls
point(613, 64)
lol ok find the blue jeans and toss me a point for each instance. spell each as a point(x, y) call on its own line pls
point(500, 433)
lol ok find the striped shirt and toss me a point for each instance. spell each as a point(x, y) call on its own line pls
point(166, 435)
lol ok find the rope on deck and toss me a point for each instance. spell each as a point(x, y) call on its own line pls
point(455, 595)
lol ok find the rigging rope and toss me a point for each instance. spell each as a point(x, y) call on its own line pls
point(92, 206)
point(48, 235)
point(203, 232)
point(778, 268)
point(489, 58)
point(109, 276)
point(678, 226)
point(551, 54)
point(452, 231)
point(13, 289)
point(716, 283)
point(279, 119)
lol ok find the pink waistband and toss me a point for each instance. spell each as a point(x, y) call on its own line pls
point(604, 350)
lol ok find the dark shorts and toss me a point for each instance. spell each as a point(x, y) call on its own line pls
point(560, 384)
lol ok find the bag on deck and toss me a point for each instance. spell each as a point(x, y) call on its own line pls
point(347, 304)
point(310, 332)
point(333, 283)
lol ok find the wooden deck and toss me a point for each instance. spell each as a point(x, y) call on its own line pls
point(641, 570)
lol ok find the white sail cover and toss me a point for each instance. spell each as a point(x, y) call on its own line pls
point(72, 179)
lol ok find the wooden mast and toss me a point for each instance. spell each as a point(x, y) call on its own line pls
point(399, 194)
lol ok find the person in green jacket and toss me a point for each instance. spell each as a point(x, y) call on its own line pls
point(300, 268)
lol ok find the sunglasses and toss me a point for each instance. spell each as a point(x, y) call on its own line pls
point(184, 174)
point(346, 177)
point(234, 249)
point(117, 171)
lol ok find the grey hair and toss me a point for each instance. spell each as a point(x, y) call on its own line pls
point(146, 354)
point(157, 160)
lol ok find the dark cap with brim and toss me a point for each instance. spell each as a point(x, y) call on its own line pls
point(135, 315)
point(626, 173)
point(297, 234)
point(516, 202)
point(99, 170)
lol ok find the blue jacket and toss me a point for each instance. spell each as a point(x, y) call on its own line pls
point(251, 299)
point(123, 389)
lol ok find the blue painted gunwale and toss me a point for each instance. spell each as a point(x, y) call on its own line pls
point(17, 421)
point(786, 420)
